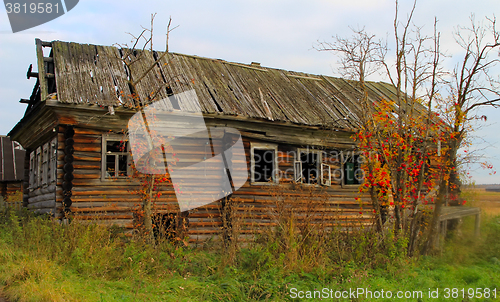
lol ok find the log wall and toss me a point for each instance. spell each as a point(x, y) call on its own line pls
point(254, 208)
point(42, 199)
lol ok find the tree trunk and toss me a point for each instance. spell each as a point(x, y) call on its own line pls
point(433, 236)
point(414, 231)
point(449, 179)
point(148, 212)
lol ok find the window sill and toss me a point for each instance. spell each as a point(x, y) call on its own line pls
point(351, 186)
point(125, 178)
point(307, 184)
point(264, 183)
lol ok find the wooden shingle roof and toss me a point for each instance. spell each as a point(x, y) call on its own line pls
point(96, 75)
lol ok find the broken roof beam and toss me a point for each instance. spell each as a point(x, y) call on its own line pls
point(41, 67)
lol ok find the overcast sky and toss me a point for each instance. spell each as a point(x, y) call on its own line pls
point(276, 33)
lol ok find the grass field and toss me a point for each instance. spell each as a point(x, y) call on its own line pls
point(489, 202)
point(41, 260)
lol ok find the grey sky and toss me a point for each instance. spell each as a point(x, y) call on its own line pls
point(277, 33)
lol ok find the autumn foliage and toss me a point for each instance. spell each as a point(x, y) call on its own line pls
point(398, 152)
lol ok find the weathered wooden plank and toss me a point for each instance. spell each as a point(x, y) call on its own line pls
point(451, 212)
point(41, 70)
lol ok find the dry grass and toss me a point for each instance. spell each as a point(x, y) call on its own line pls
point(489, 202)
point(42, 260)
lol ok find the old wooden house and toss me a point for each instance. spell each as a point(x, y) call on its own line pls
point(78, 112)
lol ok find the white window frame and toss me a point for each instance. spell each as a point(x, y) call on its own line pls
point(104, 152)
point(299, 178)
point(326, 181)
point(38, 167)
point(297, 171)
point(264, 146)
point(31, 181)
point(52, 165)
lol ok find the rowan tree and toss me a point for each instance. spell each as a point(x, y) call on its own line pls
point(150, 180)
point(425, 123)
point(473, 85)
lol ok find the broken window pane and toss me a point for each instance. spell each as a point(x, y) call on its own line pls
point(263, 165)
point(110, 165)
point(116, 146)
point(122, 165)
point(310, 167)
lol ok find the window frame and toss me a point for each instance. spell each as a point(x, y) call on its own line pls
point(297, 166)
point(52, 161)
point(38, 167)
point(104, 153)
point(31, 180)
point(325, 182)
point(45, 164)
point(264, 146)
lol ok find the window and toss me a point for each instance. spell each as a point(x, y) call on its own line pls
point(326, 175)
point(32, 171)
point(38, 167)
point(264, 158)
point(308, 168)
point(115, 161)
point(352, 170)
point(52, 165)
point(45, 164)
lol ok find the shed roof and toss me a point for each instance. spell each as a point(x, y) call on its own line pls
point(96, 75)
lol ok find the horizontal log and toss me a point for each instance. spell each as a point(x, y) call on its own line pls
point(214, 224)
point(97, 192)
point(42, 197)
point(87, 156)
point(103, 216)
point(87, 148)
point(76, 207)
point(42, 204)
point(126, 183)
point(87, 140)
point(125, 223)
point(202, 232)
point(86, 176)
point(87, 131)
point(43, 190)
